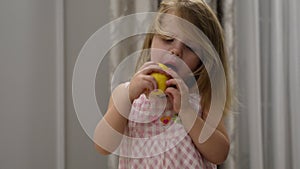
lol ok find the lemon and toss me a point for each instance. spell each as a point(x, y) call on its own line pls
point(161, 78)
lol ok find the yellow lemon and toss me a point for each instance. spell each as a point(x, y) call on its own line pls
point(161, 78)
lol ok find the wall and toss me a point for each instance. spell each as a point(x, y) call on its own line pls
point(82, 19)
point(28, 84)
point(38, 125)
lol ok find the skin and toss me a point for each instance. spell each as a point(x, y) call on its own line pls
point(215, 149)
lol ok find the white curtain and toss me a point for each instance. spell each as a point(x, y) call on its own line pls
point(268, 42)
point(226, 9)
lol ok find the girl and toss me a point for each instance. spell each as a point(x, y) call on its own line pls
point(168, 139)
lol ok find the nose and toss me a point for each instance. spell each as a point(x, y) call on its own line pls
point(177, 48)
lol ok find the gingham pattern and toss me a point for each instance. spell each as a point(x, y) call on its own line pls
point(152, 144)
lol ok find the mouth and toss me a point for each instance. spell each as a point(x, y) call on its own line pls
point(172, 67)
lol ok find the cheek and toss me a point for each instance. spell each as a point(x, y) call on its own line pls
point(194, 65)
point(194, 62)
point(191, 64)
point(158, 48)
point(157, 54)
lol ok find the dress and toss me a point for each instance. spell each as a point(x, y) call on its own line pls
point(157, 139)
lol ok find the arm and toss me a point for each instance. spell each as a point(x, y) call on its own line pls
point(216, 148)
point(109, 131)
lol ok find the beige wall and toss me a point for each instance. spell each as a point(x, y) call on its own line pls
point(31, 83)
point(27, 84)
point(82, 19)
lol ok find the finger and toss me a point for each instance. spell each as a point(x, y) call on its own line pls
point(178, 83)
point(151, 80)
point(175, 98)
point(150, 64)
point(174, 93)
point(147, 64)
point(151, 69)
point(172, 83)
point(172, 73)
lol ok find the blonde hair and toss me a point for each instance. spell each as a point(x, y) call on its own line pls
point(202, 16)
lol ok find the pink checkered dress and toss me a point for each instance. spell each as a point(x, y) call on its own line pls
point(156, 139)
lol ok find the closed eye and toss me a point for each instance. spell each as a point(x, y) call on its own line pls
point(189, 48)
point(167, 38)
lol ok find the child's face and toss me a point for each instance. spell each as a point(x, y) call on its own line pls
point(169, 50)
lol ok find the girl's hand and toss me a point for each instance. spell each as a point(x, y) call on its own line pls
point(179, 95)
point(142, 81)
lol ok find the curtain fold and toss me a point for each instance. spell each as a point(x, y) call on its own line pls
point(249, 86)
point(294, 76)
point(226, 15)
point(281, 86)
point(269, 83)
point(278, 95)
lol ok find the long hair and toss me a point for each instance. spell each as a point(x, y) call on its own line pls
point(202, 16)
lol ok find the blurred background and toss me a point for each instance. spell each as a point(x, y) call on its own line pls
point(41, 39)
